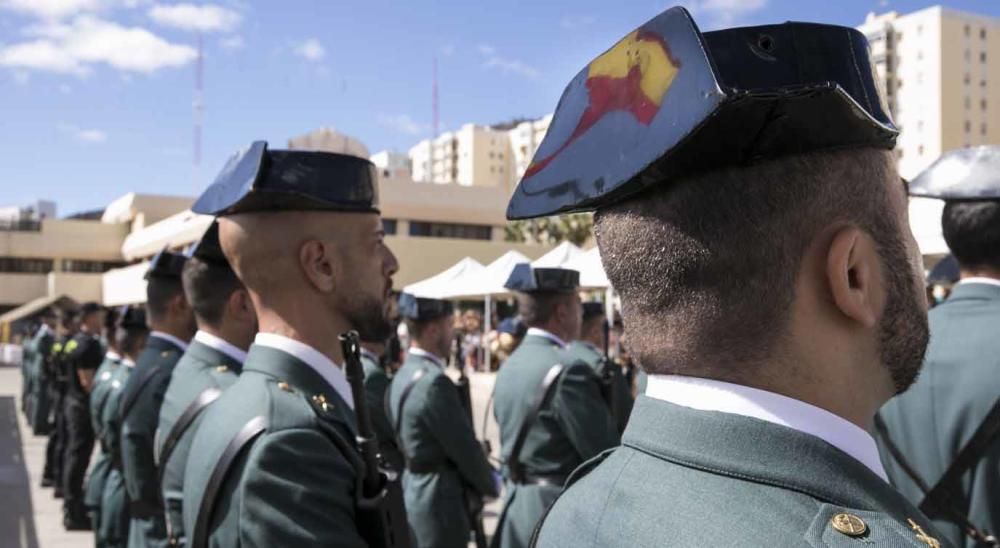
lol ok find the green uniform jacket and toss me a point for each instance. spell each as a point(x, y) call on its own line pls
point(39, 404)
point(376, 383)
point(934, 419)
point(140, 412)
point(99, 393)
point(293, 487)
point(202, 367)
point(621, 407)
point(690, 478)
point(112, 527)
point(443, 456)
point(574, 426)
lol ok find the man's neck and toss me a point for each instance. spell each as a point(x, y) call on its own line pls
point(428, 349)
point(556, 330)
point(169, 330)
point(222, 334)
point(990, 273)
point(321, 333)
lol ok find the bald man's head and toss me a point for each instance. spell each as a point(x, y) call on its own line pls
point(337, 261)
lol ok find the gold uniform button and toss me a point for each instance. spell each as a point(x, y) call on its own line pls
point(320, 400)
point(221, 368)
point(849, 524)
point(164, 354)
point(284, 386)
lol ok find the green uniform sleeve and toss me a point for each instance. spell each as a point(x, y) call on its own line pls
point(375, 389)
point(138, 432)
point(298, 490)
point(449, 422)
point(583, 413)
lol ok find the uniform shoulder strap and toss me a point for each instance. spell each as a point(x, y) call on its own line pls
point(541, 396)
point(130, 398)
point(193, 410)
point(250, 431)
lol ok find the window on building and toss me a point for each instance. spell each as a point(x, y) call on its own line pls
point(920, 30)
point(21, 225)
point(967, 79)
point(982, 129)
point(389, 226)
point(25, 266)
point(492, 155)
point(982, 56)
point(920, 150)
point(450, 230)
point(967, 30)
point(968, 126)
point(982, 33)
point(982, 83)
point(968, 103)
point(920, 125)
point(73, 265)
point(968, 55)
point(982, 104)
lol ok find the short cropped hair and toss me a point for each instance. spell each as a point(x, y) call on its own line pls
point(972, 232)
point(536, 308)
point(159, 292)
point(706, 265)
point(208, 287)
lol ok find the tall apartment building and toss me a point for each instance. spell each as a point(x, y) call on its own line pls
point(524, 141)
point(471, 156)
point(935, 66)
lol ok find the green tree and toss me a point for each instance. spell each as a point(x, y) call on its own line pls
point(575, 228)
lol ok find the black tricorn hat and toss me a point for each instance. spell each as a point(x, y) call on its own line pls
point(166, 264)
point(132, 317)
point(668, 101)
point(593, 309)
point(421, 309)
point(208, 249)
point(971, 173)
point(258, 179)
point(528, 279)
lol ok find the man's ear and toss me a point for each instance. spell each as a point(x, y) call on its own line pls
point(240, 307)
point(179, 304)
point(853, 274)
point(317, 260)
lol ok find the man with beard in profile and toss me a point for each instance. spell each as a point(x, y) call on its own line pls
point(302, 232)
point(770, 287)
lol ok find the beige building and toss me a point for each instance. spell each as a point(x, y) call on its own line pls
point(471, 156)
point(393, 166)
point(524, 141)
point(935, 66)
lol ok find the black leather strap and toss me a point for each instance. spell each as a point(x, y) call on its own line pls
point(253, 428)
point(517, 474)
point(398, 426)
point(200, 403)
point(944, 499)
point(132, 397)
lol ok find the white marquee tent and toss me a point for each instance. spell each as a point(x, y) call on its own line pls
point(925, 222)
point(559, 256)
point(464, 278)
point(591, 270)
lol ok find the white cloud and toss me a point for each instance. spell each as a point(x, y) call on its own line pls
point(74, 48)
point(511, 66)
point(402, 123)
point(311, 49)
point(576, 21)
point(50, 9)
point(194, 17)
point(724, 13)
point(83, 135)
point(232, 43)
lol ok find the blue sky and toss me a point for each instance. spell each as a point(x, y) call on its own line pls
point(97, 94)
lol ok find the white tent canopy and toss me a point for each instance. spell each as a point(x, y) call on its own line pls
point(559, 256)
point(925, 222)
point(464, 278)
point(499, 270)
point(588, 264)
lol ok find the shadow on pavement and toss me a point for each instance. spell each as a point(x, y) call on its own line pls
point(17, 524)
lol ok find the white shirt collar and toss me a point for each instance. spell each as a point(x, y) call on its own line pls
point(712, 395)
point(128, 362)
point(369, 354)
point(539, 332)
point(222, 345)
point(425, 354)
point(332, 373)
point(113, 356)
point(979, 280)
point(170, 339)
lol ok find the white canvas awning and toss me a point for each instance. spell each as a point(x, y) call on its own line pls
point(498, 271)
point(464, 278)
point(591, 269)
point(559, 256)
point(177, 230)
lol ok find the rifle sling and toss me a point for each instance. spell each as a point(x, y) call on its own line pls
point(193, 410)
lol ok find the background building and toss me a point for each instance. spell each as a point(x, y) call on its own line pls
point(934, 65)
point(471, 156)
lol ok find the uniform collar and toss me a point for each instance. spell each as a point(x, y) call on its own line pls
point(979, 280)
point(539, 332)
point(170, 339)
point(332, 373)
point(713, 395)
point(128, 362)
point(414, 351)
point(369, 355)
point(222, 345)
point(113, 356)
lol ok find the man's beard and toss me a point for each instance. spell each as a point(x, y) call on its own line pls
point(368, 317)
point(903, 330)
